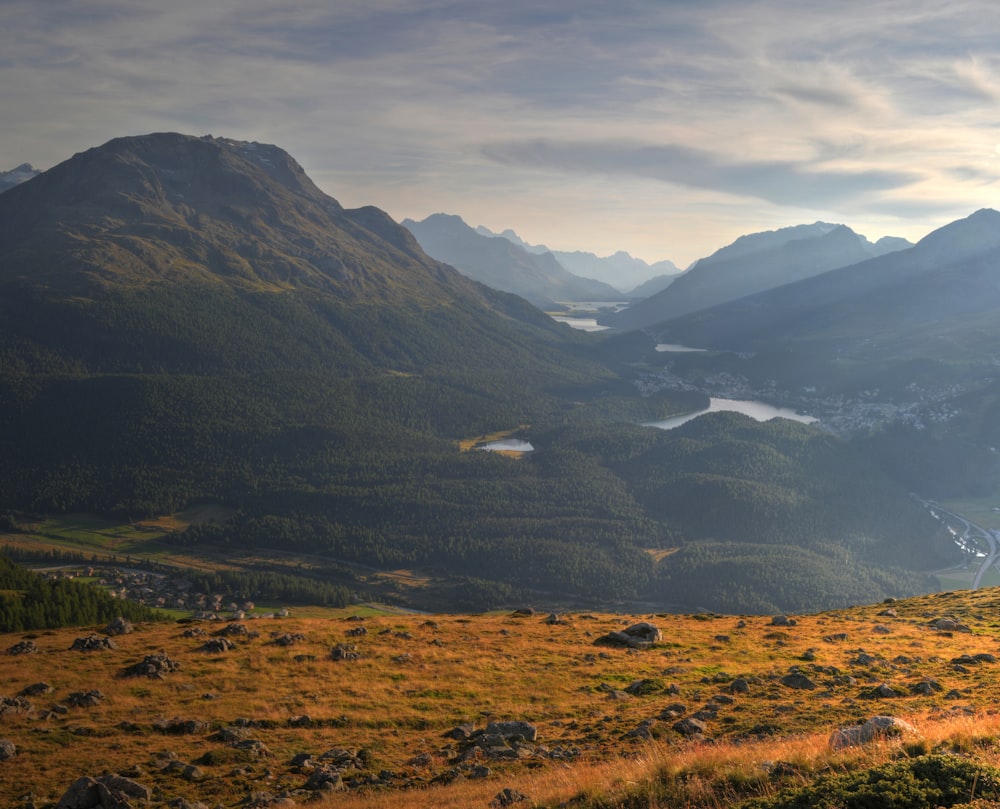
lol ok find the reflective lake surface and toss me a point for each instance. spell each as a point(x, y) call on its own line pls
point(757, 410)
point(508, 444)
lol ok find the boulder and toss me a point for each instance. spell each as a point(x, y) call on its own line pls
point(512, 730)
point(24, 647)
point(93, 643)
point(875, 729)
point(638, 636)
point(690, 727)
point(119, 626)
point(104, 792)
point(7, 749)
point(798, 681)
point(152, 666)
point(508, 797)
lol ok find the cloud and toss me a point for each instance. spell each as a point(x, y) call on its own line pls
point(779, 182)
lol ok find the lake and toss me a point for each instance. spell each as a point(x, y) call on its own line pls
point(757, 410)
point(507, 445)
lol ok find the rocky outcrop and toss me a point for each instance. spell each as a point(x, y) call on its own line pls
point(638, 636)
point(875, 729)
point(104, 792)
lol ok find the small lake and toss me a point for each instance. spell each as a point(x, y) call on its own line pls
point(756, 410)
point(674, 347)
point(581, 323)
point(507, 445)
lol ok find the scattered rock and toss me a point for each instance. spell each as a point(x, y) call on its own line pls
point(690, 727)
point(232, 631)
point(782, 620)
point(85, 699)
point(193, 632)
point(881, 629)
point(516, 730)
point(35, 690)
point(888, 613)
point(739, 686)
point(7, 749)
point(93, 643)
point(798, 680)
point(24, 647)
point(642, 688)
point(14, 705)
point(836, 637)
point(638, 636)
point(926, 688)
point(357, 632)
point(104, 792)
point(876, 728)
point(523, 612)
point(508, 797)
point(216, 646)
point(152, 666)
point(119, 626)
point(881, 691)
point(288, 638)
point(345, 651)
point(180, 727)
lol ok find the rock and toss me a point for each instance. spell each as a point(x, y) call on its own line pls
point(180, 727)
point(7, 749)
point(345, 651)
point(836, 637)
point(288, 638)
point(152, 666)
point(232, 631)
point(881, 691)
point(357, 632)
point(554, 619)
point(508, 797)
point(739, 686)
point(782, 620)
point(35, 690)
point(24, 647)
point(85, 699)
point(14, 705)
point(642, 688)
point(638, 636)
point(690, 727)
point(798, 681)
point(104, 792)
point(216, 646)
point(119, 626)
point(523, 612)
point(93, 643)
point(881, 629)
point(876, 728)
point(517, 730)
point(926, 688)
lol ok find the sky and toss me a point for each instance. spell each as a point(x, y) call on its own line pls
point(665, 129)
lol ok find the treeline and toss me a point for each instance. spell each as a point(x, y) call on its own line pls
point(281, 588)
point(31, 601)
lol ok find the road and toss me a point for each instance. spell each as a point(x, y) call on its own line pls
point(972, 535)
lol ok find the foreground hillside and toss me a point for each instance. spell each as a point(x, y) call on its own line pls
point(358, 709)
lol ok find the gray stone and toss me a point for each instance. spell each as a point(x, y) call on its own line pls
point(638, 636)
point(104, 792)
point(7, 749)
point(798, 681)
point(513, 730)
point(119, 626)
point(876, 728)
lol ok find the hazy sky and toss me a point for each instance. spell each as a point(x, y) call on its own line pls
point(665, 129)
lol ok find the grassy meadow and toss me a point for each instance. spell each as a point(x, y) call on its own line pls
point(604, 716)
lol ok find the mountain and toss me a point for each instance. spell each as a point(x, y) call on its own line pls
point(751, 264)
point(191, 322)
point(503, 265)
point(8, 179)
point(651, 287)
point(898, 351)
point(620, 270)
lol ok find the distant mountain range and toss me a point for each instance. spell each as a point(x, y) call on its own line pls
point(503, 265)
point(751, 264)
point(8, 179)
point(621, 270)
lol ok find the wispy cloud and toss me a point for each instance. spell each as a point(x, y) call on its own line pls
point(758, 109)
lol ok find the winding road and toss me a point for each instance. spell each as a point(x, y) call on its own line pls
point(972, 534)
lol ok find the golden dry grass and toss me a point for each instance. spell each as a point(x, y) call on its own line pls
point(421, 676)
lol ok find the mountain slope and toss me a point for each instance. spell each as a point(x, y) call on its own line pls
point(621, 270)
point(16, 176)
point(751, 264)
point(502, 265)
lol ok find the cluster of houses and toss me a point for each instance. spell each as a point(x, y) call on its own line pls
point(173, 592)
